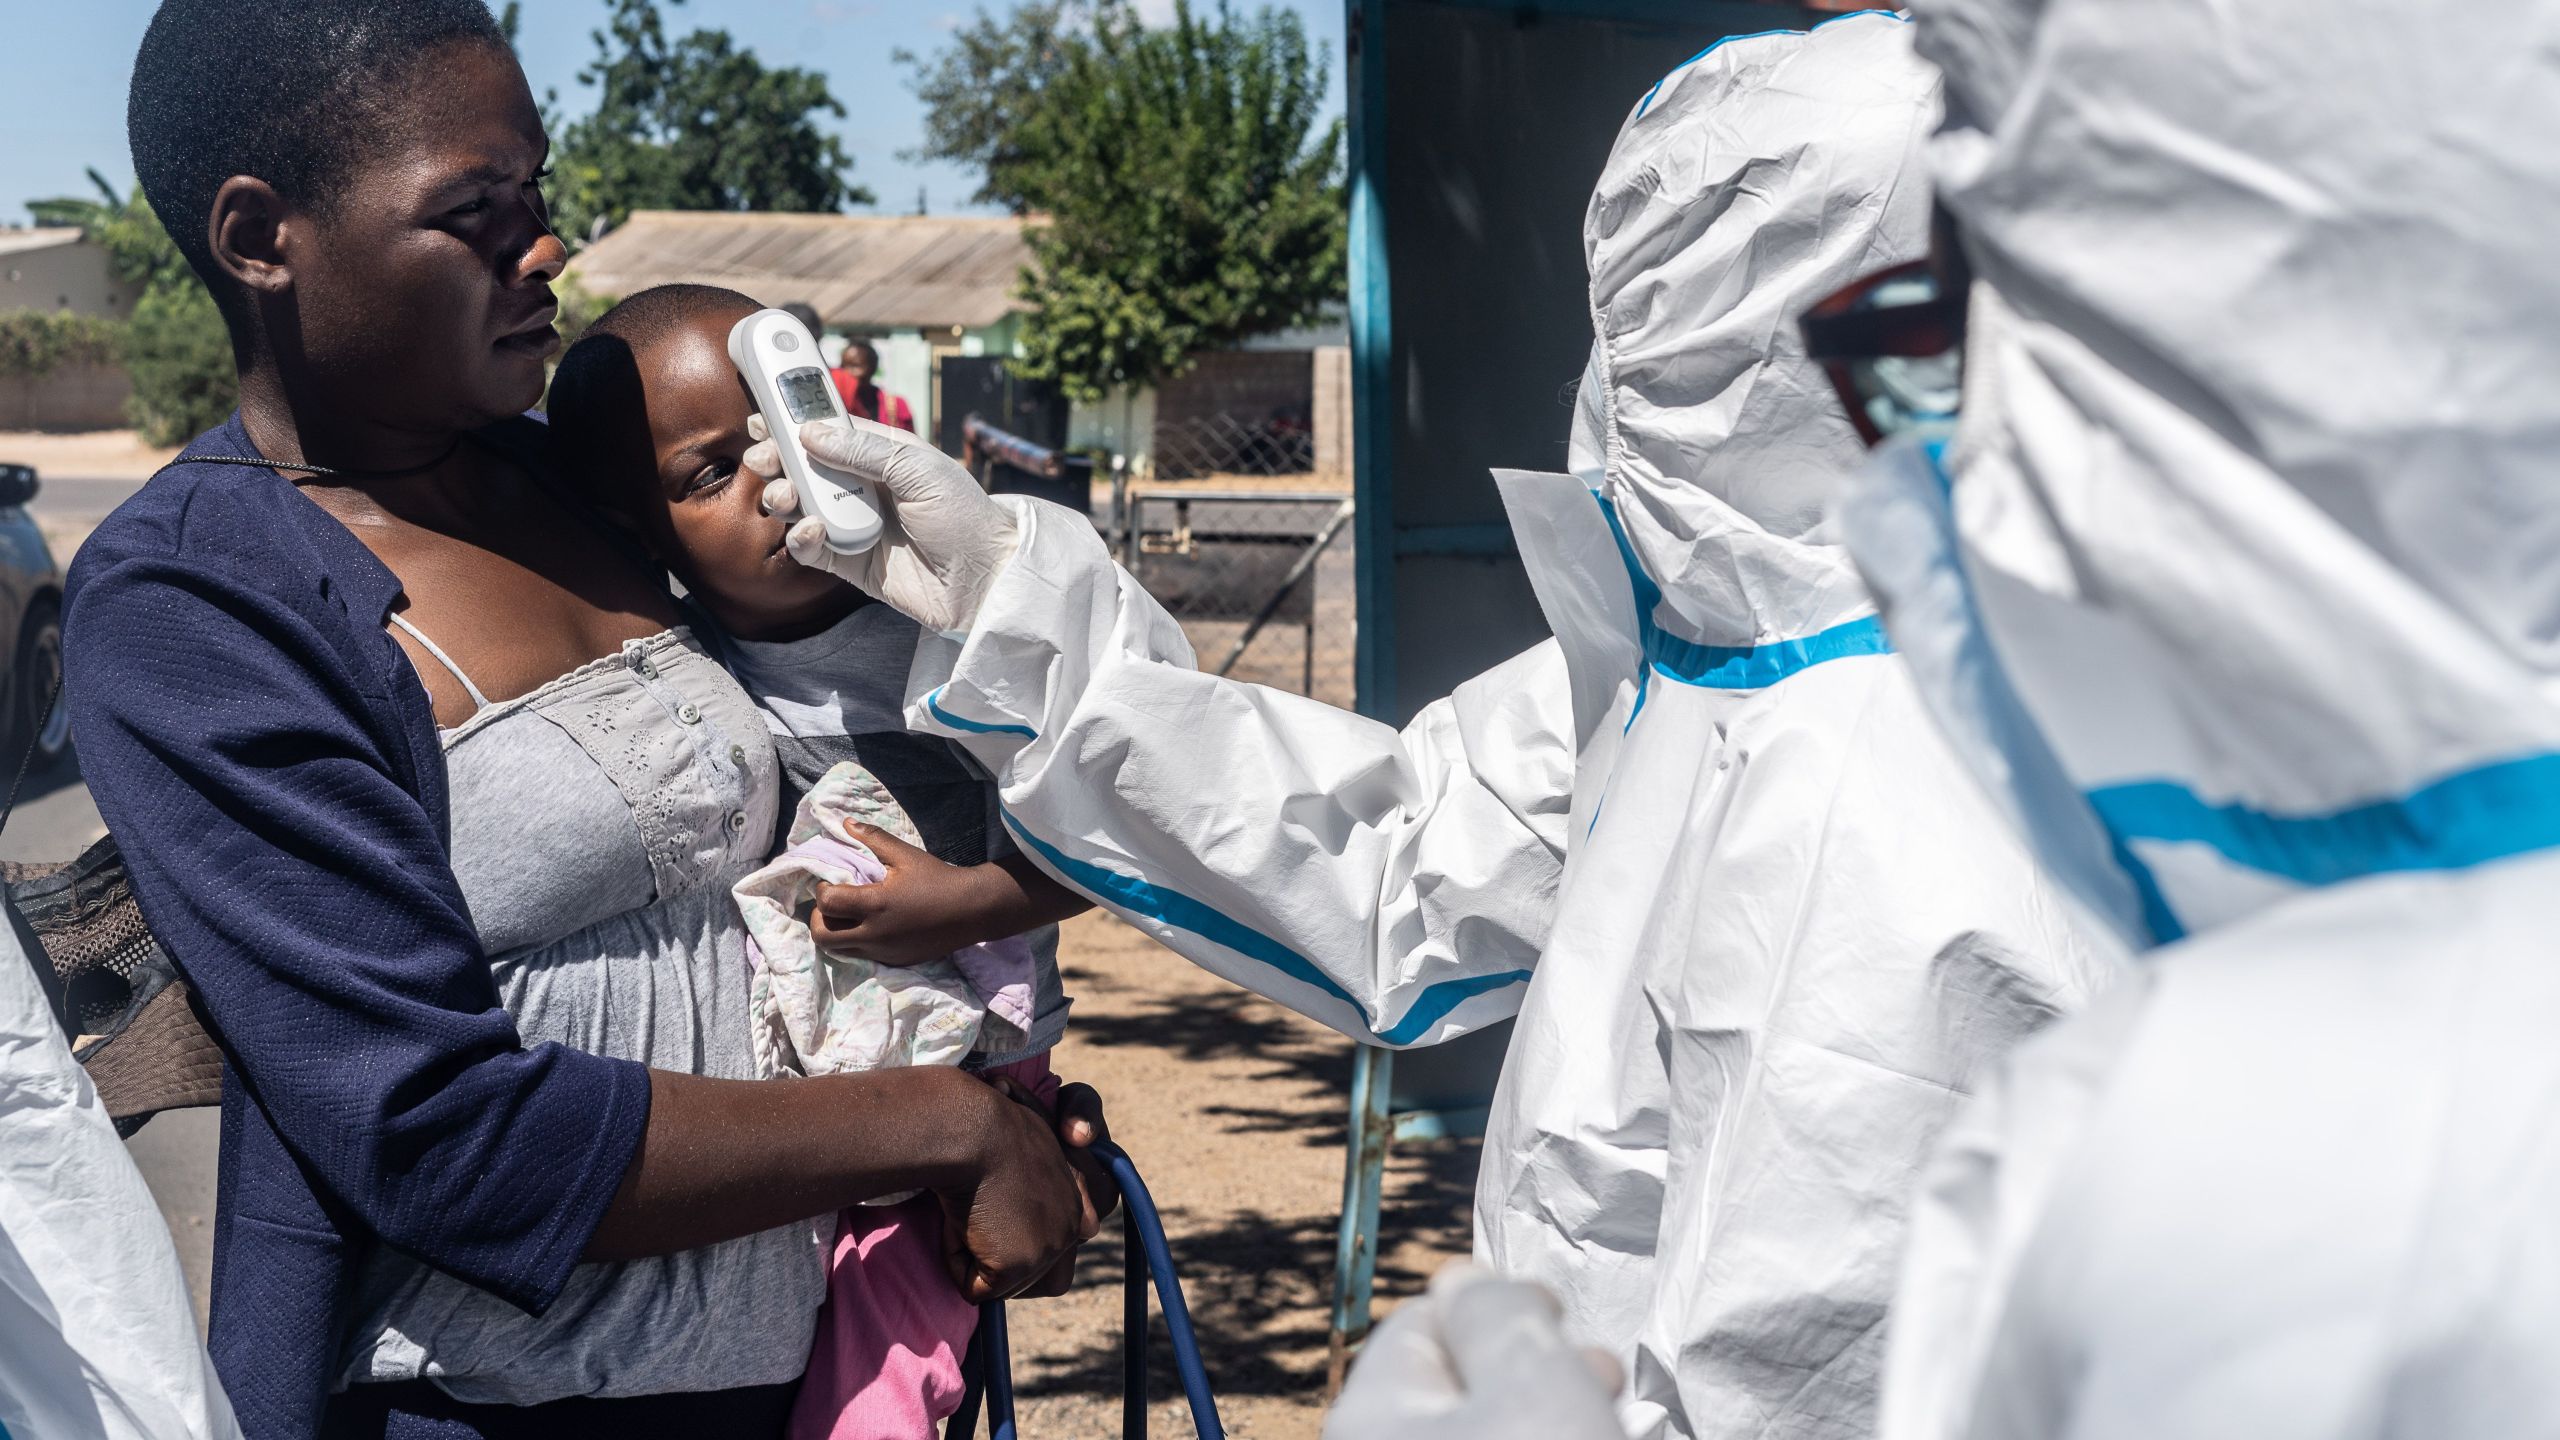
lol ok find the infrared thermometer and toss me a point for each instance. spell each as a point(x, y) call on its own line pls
point(779, 359)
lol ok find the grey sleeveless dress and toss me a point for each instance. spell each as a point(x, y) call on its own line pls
point(598, 824)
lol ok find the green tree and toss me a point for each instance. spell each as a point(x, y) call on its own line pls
point(178, 353)
point(982, 89)
point(692, 124)
point(124, 226)
point(175, 348)
point(1192, 198)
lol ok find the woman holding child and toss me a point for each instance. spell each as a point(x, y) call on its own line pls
point(437, 797)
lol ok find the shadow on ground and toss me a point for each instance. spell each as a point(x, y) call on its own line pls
point(1235, 1110)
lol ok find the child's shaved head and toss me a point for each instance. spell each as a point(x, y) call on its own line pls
point(649, 416)
point(595, 401)
point(646, 317)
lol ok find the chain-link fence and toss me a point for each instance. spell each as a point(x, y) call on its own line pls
point(1262, 581)
point(1233, 445)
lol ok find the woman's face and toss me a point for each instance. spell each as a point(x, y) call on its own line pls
point(422, 296)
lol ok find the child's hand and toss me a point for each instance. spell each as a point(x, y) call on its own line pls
point(922, 909)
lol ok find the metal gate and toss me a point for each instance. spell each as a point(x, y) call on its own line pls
point(1233, 565)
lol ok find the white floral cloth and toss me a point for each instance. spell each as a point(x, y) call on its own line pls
point(815, 1013)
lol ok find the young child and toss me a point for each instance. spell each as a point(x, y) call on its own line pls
point(650, 417)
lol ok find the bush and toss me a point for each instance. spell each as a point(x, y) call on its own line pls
point(179, 356)
point(579, 308)
point(35, 343)
point(174, 348)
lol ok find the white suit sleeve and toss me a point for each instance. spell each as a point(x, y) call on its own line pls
point(96, 1335)
point(1396, 886)
point(1977, 1212)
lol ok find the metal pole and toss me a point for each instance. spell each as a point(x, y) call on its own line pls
point(1133, 1330)
point(1373, 376)
point(1364, 1176)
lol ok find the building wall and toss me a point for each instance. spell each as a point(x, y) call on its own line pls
point(1244, 385)
point(1122, 423)
point(72, 276)
point(73, 397)
point(1333, 409)
point(906, 371)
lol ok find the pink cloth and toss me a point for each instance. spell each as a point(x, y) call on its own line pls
point(887, 1362)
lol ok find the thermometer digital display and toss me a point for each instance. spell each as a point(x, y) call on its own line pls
point(773, 353)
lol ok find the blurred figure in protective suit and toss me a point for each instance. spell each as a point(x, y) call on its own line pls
point(2238, 584)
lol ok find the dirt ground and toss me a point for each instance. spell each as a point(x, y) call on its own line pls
point(1234, 1110)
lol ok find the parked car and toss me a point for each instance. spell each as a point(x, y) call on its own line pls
point(33, 723)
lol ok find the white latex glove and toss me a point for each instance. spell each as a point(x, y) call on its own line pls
point(942, 539)
point(1477, 1358)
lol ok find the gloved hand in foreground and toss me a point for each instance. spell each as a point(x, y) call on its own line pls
point(942, 539)
point(1477, 1358)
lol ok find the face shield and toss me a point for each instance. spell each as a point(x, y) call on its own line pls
point(1892, 343)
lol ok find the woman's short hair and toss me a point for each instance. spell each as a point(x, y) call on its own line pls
point(287, 91)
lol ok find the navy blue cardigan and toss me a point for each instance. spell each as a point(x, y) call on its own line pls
point(267, 760)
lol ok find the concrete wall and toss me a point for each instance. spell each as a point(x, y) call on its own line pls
point(1333, 409)
point(1122, 422)
point(71, 276)
point(72, 397)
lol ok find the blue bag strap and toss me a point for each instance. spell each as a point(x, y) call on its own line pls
point(989, 1365)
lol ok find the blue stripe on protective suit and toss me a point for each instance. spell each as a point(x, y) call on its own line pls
point(2492, 812)
point(1756, 667)
point(1139, 897)
point(1730, 667)
point(933, 703)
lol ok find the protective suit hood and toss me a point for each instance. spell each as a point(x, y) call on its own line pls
point(1753, 180)
point(2244, 581)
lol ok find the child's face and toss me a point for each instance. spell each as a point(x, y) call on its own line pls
point(704, 517)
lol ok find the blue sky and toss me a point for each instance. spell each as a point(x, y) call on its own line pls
point(63, 106)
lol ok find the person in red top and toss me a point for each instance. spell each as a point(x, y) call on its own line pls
point(861, 397)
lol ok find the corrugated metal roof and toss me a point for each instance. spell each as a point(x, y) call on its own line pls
point(860, 271)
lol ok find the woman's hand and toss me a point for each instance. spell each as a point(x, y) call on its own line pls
point(924, 908)
point(1078, 1121)
point(1013, 1226)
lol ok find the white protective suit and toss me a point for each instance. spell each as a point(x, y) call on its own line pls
point(2246, 597)
point(1773, 928)
point(97, 1340)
